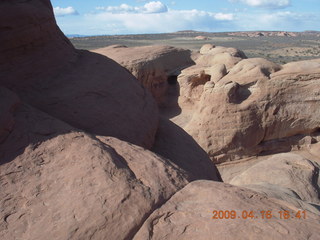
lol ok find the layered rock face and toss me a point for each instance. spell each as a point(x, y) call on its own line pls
point(151, 65)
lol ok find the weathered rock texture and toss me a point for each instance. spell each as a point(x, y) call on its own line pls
point(60, 183)
point(249, 107)
point(84, 89)
point(151, 65)
point(291, 177)
point(285, 170)
point(188, 215)
point(63, 175)
point(212, 64)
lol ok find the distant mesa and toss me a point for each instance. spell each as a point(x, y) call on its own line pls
point(264, 34)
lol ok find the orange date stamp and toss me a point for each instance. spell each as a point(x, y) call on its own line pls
point(268, 214)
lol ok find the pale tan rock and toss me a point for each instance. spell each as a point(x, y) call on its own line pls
point(220, 55)
point(300, 70)
point(220, 58)
point(287, 170)
point(232, 121)
point(151, 65)
point(217, 72)
point(234, 52)
point(191, 83)
point(251, 70)
point(206, 48)
point(201, 38)
point(188, 215)
point(291, 177)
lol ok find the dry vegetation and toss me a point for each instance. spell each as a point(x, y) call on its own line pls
point(279, 49)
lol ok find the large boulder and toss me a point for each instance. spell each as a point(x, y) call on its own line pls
point(54, 77)
point(291, 171)
point(189, 214)
point(291, 177)
point(155, 67)
point(58, 182)
point(31, 40)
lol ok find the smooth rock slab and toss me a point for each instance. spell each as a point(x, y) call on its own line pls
point(188, 215)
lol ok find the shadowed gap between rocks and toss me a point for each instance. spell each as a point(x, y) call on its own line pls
point(171, 108)
point(286, 144)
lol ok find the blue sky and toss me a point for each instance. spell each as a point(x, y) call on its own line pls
point(103, 17)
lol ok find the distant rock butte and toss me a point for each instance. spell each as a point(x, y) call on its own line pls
point(264, 34)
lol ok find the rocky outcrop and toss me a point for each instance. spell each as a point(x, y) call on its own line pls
point(56, 181)
point(219, 55)
point(75, 125)
point(291, 177)
point(264, 34)
point(151, 65)
point(189, 214)
point(212, 64)
point(31, 40)
point(250, 107)
point(290, 171)
point(63, 174)
point(201, 38)
point(42, 67)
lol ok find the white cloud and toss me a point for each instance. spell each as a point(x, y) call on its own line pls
point(152, 17)
point(60, 12)
point(150, 7)
point(155, 7)
point(277, 21)
point(273, 4)
point(224, 16)
point(169, 21)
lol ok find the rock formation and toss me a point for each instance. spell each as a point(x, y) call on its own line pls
point(63, 174)
point(264, 34)
point(58, 80)
point(75, 129)
point(60, 183)
point(188, 215)
point(151, 65)
point(237, 107)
